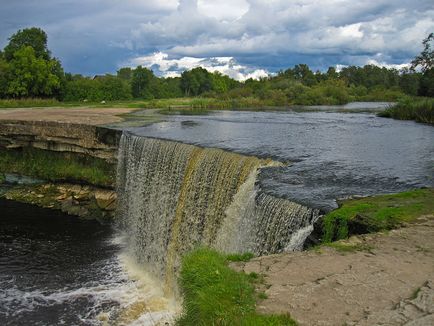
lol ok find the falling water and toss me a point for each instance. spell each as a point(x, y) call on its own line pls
point(174, 196)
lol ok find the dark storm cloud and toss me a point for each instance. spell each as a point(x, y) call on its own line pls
point(96, 36)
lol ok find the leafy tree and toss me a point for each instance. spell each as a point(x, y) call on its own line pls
point(125, 73)
point(427, 83)
point(426, 58)
point(33, 37)
point(196, 81)
point(332, 73)
point(304, 74)
point(32, 76)
point(409, 82)
point(4, 70)
point(140, 83)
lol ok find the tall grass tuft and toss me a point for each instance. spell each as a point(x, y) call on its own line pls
point(420, 110)
point(214, 294)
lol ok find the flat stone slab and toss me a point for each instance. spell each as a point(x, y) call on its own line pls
point(89, 116)
point(390, 282)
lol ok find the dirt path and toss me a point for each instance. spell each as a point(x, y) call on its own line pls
point(390, 282)
point(91, 116)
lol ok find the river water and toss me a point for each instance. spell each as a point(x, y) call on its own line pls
point(327, 154)
point(59, 270)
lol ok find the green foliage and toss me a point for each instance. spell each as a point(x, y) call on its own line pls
point(421, 110)
point(33, 37)
point(427, 83)
point(53, 166)
point(196, 81)
point(107, 88)
point(28, 103)
point(214, 294)
point(27, 69)
point(425, 59)
point(372, 214)
point(141, 83)
point(24, 74)
point(30, 76)
point(240, 257)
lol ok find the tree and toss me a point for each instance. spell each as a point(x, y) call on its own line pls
point(196, 81)
point(32, 76)
point(125, 73)
point(33, 37)
point(304, 74)
point(4, 71)
point(409, 82)
point(141, 82)
point(426, 58)
point(332, 73)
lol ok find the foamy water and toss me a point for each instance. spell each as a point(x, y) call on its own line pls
point(65, 271)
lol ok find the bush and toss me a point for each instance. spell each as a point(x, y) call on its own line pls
point(410, 109)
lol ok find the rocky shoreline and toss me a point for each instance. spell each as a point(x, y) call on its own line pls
point(80, 200)
point(76, 137)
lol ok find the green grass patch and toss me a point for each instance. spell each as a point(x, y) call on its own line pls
point(57, 166)
point(214, 294)
point(28, 103)
point(420, 110)
point(373, 214)
point(240, 257)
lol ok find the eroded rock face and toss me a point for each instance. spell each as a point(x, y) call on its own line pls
point(79, 200)
point(90, 140)
point(106, 199)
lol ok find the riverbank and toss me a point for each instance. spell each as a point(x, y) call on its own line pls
point(419, 109)
point(383, 278)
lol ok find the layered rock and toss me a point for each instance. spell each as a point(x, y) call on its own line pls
point(86, 139)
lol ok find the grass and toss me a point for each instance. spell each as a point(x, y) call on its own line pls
point(420, 110)
point(26, 103)
point(56, 166)
point(240, 257)
point(214, 294)
point(373, 214)
point(46, 103)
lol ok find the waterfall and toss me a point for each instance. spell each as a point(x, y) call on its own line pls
point(174, 197)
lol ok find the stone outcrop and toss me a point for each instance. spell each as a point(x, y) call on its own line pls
point(80, 200)
point(86, 139)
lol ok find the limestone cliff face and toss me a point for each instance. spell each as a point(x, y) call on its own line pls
point(91, 140)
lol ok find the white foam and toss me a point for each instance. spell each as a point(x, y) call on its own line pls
point(125, 284)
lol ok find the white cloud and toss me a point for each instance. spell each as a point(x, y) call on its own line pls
point(388, 65)
point(163, 65)
point(225, 10)
point(271, 34)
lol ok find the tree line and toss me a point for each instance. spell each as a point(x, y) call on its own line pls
point(28, 70)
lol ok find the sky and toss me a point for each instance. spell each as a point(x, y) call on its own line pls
point(240, 38)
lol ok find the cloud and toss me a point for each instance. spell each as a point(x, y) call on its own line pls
point(162, 65)
point(94, 36)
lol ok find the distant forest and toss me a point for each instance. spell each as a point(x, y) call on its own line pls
point(28, 70)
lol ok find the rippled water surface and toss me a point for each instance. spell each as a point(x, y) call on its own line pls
point(56, 269)
point(329, 154)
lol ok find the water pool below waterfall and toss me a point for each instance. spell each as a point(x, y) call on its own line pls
point(59, 270)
